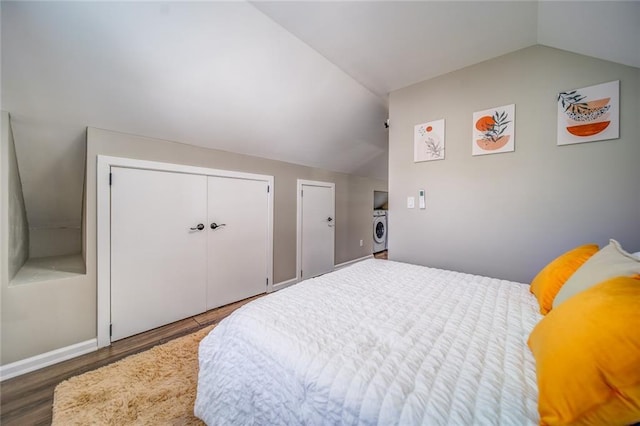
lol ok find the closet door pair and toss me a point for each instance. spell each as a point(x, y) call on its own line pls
point(182, 244)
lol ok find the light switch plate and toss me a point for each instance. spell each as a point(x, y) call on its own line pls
point(411, 202)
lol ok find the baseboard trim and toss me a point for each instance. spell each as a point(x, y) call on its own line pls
point(351, 262)
point(46, 359)
point(284, 284)
point(292, 281)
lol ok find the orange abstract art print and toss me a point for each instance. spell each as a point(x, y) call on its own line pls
point(589, 114)
point(493, 130)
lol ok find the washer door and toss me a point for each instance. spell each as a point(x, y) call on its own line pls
point(379, 230)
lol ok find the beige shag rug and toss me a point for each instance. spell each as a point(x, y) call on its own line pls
point(155, 387)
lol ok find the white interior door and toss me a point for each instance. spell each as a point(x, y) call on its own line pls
point(317, 228)
point(158, 272)
point(238, 238)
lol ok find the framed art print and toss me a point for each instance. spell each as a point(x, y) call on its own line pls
point(428, 141)
point(493, 130)
point(589, 114)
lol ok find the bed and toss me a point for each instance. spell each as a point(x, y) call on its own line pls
point(379, 342)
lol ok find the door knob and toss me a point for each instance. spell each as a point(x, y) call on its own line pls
point(199, 227)
point(329, 219)
point(215, 225)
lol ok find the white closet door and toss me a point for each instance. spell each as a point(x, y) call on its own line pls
point(158, 272)
point(317, 228)
point(239, 243)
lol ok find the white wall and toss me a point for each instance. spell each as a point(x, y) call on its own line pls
point(506, 215)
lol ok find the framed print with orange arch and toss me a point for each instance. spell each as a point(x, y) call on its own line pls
point(494, 130)
point(428, 141)
point(589, 114)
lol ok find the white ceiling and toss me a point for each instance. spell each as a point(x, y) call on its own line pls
point(302, 82)
point(219, 75)
point(387, 45)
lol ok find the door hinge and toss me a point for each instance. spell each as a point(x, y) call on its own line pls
point(110, 330)
point(267, 282)
point(268, 188)
point(110, 178)
point(302, 192)
point(300, 273)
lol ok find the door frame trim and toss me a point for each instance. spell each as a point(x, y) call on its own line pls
point(302, 182)
point(104, 165)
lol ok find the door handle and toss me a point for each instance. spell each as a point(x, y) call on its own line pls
point(215, 225)
point(199, 227)
point(329, 219)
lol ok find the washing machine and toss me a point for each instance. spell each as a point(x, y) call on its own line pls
point(379, 230)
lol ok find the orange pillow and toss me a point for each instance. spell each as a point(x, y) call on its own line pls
point(548, 282)
point(587, 354)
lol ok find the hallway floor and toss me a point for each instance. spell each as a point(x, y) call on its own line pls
point(381, 255)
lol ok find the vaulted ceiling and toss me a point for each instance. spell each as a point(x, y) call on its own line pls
point(303, 82)
point(387, 45)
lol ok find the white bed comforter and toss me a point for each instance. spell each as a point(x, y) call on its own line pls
point(379, 342)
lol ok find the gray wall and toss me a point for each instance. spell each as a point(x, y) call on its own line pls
point(506, 215)
point(354, 195)
point(51, 159)
point(18, 226)
point(43, 316)
point(54, 85)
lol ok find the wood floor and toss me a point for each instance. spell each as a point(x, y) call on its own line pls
point(381, 255)
point(27, 399)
